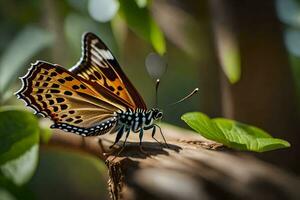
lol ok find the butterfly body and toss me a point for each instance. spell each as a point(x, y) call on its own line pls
point(92, 98)
point(139, 119)
point(137, 122)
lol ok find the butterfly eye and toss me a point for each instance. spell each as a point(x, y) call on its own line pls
point(159, 115)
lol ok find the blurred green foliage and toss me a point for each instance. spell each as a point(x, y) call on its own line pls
point(19, 141)
point(72, 175)
point(13, 59)
point(289, 14)
point(230, 59)
point(141, 22)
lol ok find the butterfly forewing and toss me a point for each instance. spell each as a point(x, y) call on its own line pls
point(66, 98)
point(98, 65)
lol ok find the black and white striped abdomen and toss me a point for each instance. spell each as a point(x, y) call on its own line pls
point(99, 129)
point(135, 119)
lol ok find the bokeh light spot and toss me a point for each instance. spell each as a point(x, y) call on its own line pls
point(103, 10)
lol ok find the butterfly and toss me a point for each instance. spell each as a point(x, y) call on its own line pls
point(93, 98)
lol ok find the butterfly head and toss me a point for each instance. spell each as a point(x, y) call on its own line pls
point(157, 114)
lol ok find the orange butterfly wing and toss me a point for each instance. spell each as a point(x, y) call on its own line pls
point(98, 65)
point(54, 92)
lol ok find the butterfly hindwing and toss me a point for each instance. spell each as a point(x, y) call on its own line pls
point(54, 92)
point(98, 65)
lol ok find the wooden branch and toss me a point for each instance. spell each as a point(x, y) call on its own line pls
point(192, 168)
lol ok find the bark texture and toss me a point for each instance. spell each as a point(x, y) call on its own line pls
point(191, 168)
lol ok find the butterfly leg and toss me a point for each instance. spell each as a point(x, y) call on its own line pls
point(119, 135)
point(153, 132)
point(123, 146)
point(140, 144)
point(155, 125)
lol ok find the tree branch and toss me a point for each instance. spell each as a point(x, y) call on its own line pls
point(192, 168)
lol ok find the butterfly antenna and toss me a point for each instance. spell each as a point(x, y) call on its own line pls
point(186, 97)
point(156, 92)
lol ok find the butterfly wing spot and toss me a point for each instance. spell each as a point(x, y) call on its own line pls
point(53, 74)
point(54, 91)
point(39, 97)
point(63, 106)
point(111, 88)
point(51, 102)
point(82, 87)
point(68, 78)
point(62, 81)
point(78, 121)
point(75, 87)
point(55, 108)
point(40, 91)
point(60, 100)
point(119, 88)
point(68, 93)
point(54, 85)
point(69, 120)
point(41, 77)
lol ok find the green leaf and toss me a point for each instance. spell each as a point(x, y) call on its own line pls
point(208, 129)
point(142, 23)
point(233, 134)
point(19, 137)
point(26, 44)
